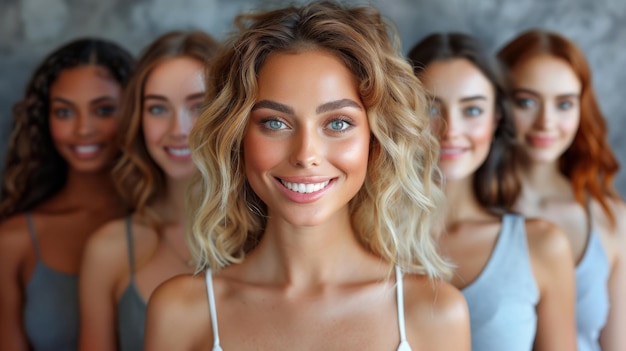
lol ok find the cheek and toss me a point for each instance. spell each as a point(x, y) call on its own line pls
point(482, 133)
point(153, 130)
point(351, 154)
point(59, 129)
point(109, 127)
point(523, 121)
point(569, 125)
point(256, 157)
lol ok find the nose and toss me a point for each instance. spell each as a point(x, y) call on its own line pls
point(450, 125)
point(545, 117)
point(305, 150)
point(181, 123)
point(85, 125)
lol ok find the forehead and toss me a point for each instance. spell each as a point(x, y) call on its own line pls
point(288, 75)
point(175, 76)
point(545, 74)
point(456, 78)
point(84, 83)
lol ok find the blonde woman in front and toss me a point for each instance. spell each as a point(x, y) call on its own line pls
point(313, 213)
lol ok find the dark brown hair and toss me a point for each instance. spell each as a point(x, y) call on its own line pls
point(496, 181)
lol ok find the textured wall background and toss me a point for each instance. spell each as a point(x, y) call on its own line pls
point(29, 29)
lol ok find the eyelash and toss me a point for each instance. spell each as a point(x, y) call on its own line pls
point(348, 121)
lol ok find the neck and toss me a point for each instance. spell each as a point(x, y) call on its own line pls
point(462, 204)
point(90, 189)
point(171, 208)
point(544, 180)
point(310, 256)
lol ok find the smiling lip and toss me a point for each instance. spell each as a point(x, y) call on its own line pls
point(302, 190)
point(87, 151)
point(539, 141)
point(451, 153)
point(178, 153)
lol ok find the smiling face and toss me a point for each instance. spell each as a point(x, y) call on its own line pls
point(306, 145)
point(172, 97)
point(546, 96)
point(464, 115)
point(84, 116)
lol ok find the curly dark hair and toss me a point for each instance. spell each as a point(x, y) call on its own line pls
point(34, 170)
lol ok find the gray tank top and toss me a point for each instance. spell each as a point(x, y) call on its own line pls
point(503, 297)
point(51, 305)
point(131, 308)
point(592, 296)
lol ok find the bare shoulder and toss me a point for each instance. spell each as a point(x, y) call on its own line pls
point(14, 238)
point(178, 311)
point(436, 313)
point(111, 239)
point(546, 241)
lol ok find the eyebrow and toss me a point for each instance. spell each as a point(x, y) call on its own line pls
point(94, 101)
point(535, 94)
point(465, 99)
point(326, 107)
point(476, 97)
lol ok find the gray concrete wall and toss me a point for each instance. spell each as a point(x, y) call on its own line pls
point(31, 28)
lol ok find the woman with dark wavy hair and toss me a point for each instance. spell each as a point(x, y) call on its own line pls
point(57, 190)
point(568, 175)
point(126, 259)
point(516, 274)
point(313, 210)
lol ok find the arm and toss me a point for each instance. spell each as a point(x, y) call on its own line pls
point(553, 267)
point(12, 249)
point(104, 262)
point(613, 337)
point(171, 317)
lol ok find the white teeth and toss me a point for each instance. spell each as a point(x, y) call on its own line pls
point(87, 149)
point(305, 188)
point(451, 151)
point(179, 152)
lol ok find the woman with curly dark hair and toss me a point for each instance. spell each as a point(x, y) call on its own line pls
point(57, 189)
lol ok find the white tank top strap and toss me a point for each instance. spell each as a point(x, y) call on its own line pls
point(404, 344)
point(212, 310)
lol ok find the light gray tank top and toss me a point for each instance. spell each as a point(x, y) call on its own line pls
point(503, 297)
point(51, 305)
point(131, 308)
point(592, 296)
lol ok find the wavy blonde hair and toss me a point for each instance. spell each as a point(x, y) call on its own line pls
point(138, 178)
point(394, 213)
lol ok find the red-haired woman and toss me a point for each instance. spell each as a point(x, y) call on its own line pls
point(568, 173)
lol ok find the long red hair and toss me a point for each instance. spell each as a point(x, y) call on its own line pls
point(589, 162)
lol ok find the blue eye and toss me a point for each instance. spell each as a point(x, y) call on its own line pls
point(434, 111)
point(472, 111)
point(156, 110)
point(565, 105)
point(338, 125)
point(525, 103)
point(273, 124)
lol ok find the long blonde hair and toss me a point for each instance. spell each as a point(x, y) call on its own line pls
point(394, 212)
